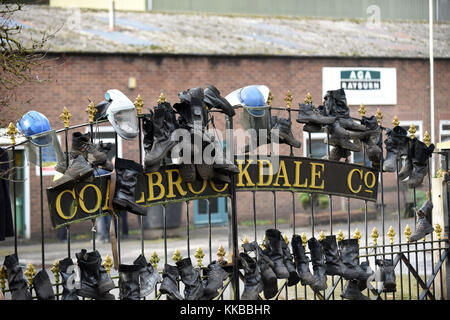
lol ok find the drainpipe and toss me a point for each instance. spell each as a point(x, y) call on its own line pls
point(112, 16)
point(432, 133)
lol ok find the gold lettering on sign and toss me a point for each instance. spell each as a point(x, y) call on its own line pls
point(58, 205)
point(244, 172)
point(261, 170)
point(99, 198)
point(191, 189)
point(317, 174)
point(349, 180)
point(282, 173)
point(373, 181)
point(297, 176)
point(152, 184)
point(176, 183)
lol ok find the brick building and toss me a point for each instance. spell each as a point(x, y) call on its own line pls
point(85, 73)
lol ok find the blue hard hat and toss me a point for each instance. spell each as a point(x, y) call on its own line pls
point(33, 123)
point(251, 96)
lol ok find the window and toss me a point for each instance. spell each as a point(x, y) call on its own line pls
point(417, 124)
point(107, 134)
point(318, 145)
point(444, 130)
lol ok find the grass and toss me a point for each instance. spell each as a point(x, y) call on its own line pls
point(250, 223)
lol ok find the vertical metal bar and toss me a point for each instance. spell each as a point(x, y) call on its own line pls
point(415, 244)
point(42, 207)
point(91, 126)
point(293, 232)
point(165, 232)
point(254, 215)
point(348, 218)
point(141, 218)
point(399, 227)
point(66, 140)
point(432, 237)
point(274, 209)
point(209, 229)
point(188, 239)
point(366, 237)
point(14, 177)
point(382, 200)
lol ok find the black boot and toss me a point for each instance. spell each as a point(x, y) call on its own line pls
point(82, 145)
point(42, 286)
point(312, 127)
point(289, 263)
point(147, 142)
point(372, 140)
point(420, 156)
point(301, 261)
point(337, 153)
point(79, 170)
point(396, 146)
point(253, 284)
point(127, 172)
point(350, 256)
point(215, 276)
point(188, 172)
point(129, 282)
point(275, 253)
point(192, 110)
point(336, 105)
point(334, 264)
point(407, 167)
point(351, 291)
point(281, 128)
point(266, 266)
point(388, 274)
point(16, 281)
point(148, 276)
point(338, 136)
point(105, 148)
point(169, 284)
point(213, 99)
point(310, 115)
point(318, 262)
point(69, 292)
point(193, 288)
point(423, 225)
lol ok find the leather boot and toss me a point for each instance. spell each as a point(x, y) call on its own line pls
point(42, 286)
point(193, 288)
point(350, 256)
point(79, 170)
point(213, 99)
point(82, 145)
point(169, 283)
point(253, 284)
point(420, 156)
point(318, 262)
point(310, 115)
point(127, 172)
point(188, 172)
point(193, 111)
point(396, 146)
point(312, 127)
point(281, 128)
point(338, 136)
point(423, 225)
point(336, 105)
point(129, 282)
point(366, 268)
point(407, 167)
point(147, 142)
point(334, 264)
point(337, 153)
point(148, 276)
point(269, 278)
point(215, 276)
point(105, 148)
point(69, 292)
point(289, 263)
point(205, 171)
point(372, 140)
point(301, 261)
point(276, 254)
point(16, 281)
point(388, 274)
point(351, 291)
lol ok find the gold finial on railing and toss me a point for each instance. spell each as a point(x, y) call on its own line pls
point(379, 116)
point(30, 272)
point(308, 99)
point(407, 232)
point(412, 131)
point(91, 111)
point(322, 236)
point(221, 253)
point(427, 139)
point(270, 98)
point(395, 122)
point(161, 99)
point(65, 117)
point(304, 239)
point(340, 235)
point(55, 270)
point(107, 263)
point(391, 234)
point(288, 99)
point(285, 238)
point(177, 256)
point(362, 110)
point(438, 230)
point(154, 259)
point(11, 132)
point(199, 256)
point(374, 235)
point(138, 104)
point(357, 235)
point(2, 278)
point(245, 240)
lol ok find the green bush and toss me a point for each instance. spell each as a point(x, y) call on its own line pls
point(320, 201)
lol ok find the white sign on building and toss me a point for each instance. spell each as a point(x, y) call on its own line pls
point(368, 86)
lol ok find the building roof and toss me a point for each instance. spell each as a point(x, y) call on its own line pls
point(82, 30)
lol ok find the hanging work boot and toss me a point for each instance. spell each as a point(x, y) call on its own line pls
point(336, 105)
point(105, 148)
point(127, 172)
point(69, 292)
point(16, 281)
point(169, 283)
point(82, 145)
point(79, 170)
point(350, 256)
point(334, 265)
point(42, 286)
point(366, 268)
point(338, 136)
point(397, 144)
point(188, 172)
point(147, 142)
point(148, 276)
point(193, 111)
point(301, 261)
point(318, 262)
point(289, 263)
point(351, 291)
point(215, 276)
point(407, 167)
point(129, 282)
point(205, 171)
point(337, 153)
point(213, 99)
point(253, 284)
point(372, 140)
point(310, 115)
point(312, 127)
point(421, 154)
point(281, 128)
point(388, 274)
point(276, 254)
point(268, 276)
point(423, 225)
point(193, 288)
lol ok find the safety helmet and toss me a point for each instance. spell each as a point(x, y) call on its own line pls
point(35, 126)
point(121, 114)
point(253, 98)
